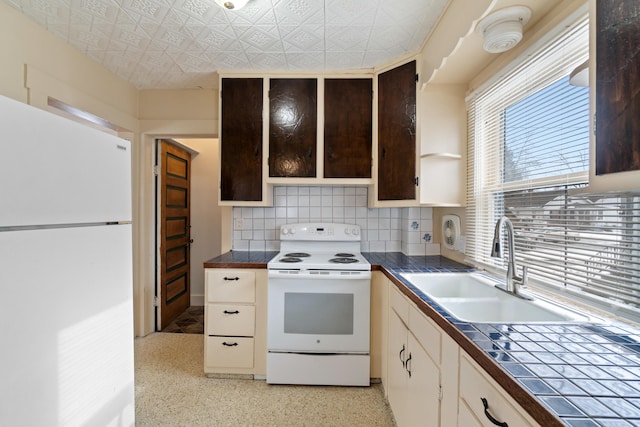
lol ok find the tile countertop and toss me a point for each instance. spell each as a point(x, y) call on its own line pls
point(579, 375)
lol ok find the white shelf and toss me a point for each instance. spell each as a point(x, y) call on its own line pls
point(441, 156)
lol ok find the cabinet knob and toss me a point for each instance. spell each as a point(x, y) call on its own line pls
point(489, 416)
point(400, 356)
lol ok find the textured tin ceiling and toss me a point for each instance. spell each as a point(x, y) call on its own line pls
point(170, 44)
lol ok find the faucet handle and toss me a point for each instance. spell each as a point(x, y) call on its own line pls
point(525, 276)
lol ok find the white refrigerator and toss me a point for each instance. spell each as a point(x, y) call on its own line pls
point(66, 310)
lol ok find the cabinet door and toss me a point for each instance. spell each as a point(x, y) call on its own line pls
point(293, 125)
point(617, 86)
point(241, 140)
point(347, 128)
point(466, 417)
point(476, 386)
point(423, 394)
point(397, 133)
point(396, 374)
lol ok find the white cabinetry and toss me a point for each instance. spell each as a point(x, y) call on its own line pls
point(443, 138)
point(431, 381)
point(413, 377)
point(476, 388)
point(235, 342)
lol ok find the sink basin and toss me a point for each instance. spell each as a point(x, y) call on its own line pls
point(473, 297)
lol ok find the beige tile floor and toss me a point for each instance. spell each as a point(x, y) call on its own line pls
point(172, 390)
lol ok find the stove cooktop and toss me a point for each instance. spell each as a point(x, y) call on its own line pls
point(320, 261)
point(319, 246)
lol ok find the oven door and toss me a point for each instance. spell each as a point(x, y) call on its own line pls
point(319, 312)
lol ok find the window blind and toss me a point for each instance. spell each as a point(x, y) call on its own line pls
point(587, 243)
point(528, 159)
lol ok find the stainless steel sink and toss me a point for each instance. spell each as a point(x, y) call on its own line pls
point(473, 297)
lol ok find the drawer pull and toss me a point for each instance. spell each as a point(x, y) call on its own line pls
point(226, 344)
point(408, 368)
point(231, 278)
point(489, 416)
point(400, 355)
point(231, 312)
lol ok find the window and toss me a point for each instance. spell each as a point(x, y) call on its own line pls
point(529, 160)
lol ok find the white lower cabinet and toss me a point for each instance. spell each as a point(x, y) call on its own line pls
point(466, 417)
point(431, 381)
point(413, 377)
point(235, 322)
point(482, 399)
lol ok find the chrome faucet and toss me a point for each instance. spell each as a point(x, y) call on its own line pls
point(513, 280)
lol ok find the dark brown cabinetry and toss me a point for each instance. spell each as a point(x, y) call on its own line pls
point(241, 139)
point(293, 124)
point(397, 133)
point(347, 128)
point(617, 86)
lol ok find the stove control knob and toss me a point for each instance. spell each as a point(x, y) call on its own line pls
point(292, 231)
point(285, 231)
point(355, 231)
point(347, 231)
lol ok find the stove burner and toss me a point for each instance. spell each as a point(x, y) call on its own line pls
point(290, 259)
point(297, 254)
point(344, 255)
point(343, 260)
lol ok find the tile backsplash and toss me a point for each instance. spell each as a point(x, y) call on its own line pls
point(407, 230)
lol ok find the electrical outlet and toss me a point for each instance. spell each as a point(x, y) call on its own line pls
point(237, 224)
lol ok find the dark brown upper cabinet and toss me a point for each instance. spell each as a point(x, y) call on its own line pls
point(241, 139)
point(397, 133)
point(293, 125)
point(617, 86)
point(347, 128)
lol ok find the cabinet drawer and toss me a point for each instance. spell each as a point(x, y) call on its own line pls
point(229, 352)
point(230, 319)
point(466, 417)
point(231, 286)
point(399, 304)
point(426, 332)
point(474, 386)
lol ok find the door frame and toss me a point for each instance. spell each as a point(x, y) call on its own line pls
point(157, 164)
point(144, 203)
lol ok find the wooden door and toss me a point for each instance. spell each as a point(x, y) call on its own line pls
point(347, 128)
point(175, 240)
point(241, 140)
point(293, 124)
point(397, 133)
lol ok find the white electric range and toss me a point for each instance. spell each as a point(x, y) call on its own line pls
point(319, 307)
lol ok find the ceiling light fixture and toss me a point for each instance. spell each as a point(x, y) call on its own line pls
point(502, 30)
point(232, 4)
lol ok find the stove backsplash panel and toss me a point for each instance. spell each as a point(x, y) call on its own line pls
point(406, 230)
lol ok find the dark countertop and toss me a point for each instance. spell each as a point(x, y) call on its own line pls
point(579, 375)
point(241, 259)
